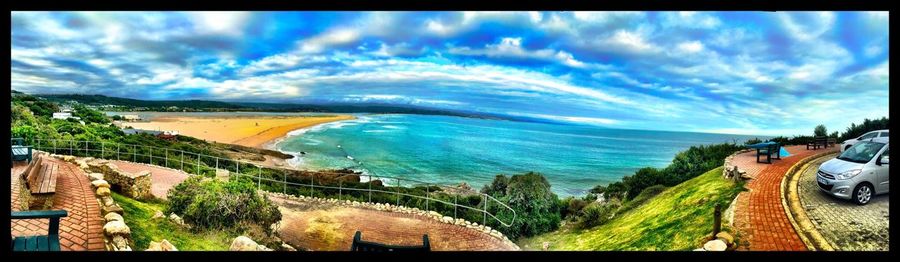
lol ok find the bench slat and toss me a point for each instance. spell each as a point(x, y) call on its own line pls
point(19, 244)
point(42, 182)
point(54, 175)
point(31, 243)
point(43, 243)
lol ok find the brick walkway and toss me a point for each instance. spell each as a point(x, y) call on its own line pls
point(760, 217)
point(162, 179)
point(82, 229)
point(318, 227)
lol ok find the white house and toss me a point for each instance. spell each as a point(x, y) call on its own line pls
point(62, 115)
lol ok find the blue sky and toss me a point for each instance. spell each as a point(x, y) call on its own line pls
point(725, 72)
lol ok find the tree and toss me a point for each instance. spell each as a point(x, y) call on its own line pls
point(820, 130)
point(536, 207)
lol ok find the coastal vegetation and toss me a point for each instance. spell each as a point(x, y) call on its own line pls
point(536, 207)
point(213, 204)
point(677, 218)
point(145, 228)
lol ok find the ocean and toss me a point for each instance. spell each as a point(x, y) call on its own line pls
point(449, 150)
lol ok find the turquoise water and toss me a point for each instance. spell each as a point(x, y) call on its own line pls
point(450, 150)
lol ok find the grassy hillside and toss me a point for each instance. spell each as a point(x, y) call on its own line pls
point(676, 219)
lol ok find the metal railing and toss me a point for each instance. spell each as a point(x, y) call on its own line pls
point(207, 164)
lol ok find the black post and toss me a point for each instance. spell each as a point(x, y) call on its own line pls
point(717, 220)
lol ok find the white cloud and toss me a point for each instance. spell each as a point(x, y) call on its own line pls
point(633, 42)
point(571, 119)
point(335, 37)
point(691, 47)
point(512, 47)
point(221, 22)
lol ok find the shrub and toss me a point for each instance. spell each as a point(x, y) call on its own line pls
point(820, 130)
point(597, 214)
point(212, 204)
point(536, 207)
point(867, 125)
point(571, 207)
point(497, 186)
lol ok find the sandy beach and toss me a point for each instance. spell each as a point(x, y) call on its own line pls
point(251, 131)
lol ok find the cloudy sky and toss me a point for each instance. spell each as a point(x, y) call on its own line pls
point(726, 72)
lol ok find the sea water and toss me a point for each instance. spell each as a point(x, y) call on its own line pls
point(449, 150)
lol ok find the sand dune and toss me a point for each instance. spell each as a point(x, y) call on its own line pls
point(252, 131)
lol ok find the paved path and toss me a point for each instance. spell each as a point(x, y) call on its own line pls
point(845, 225)
point(760, 217)
point(162, 179)
point(320, 227)
point(82, 229)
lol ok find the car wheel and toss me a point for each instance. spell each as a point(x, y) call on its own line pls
point(863, 194)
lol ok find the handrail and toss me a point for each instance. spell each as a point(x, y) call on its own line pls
point(178, 157)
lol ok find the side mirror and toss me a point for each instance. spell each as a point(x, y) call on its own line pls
point(883, 160)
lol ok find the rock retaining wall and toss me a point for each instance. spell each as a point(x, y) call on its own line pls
point(133, 185)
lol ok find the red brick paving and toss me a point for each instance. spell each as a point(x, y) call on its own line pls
point(162, 179)
point(82, 229)
point(760, 217)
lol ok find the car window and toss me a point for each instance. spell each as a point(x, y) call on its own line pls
point(884, 134)
point(884, 156)
point(869, 135)
point(862, 152)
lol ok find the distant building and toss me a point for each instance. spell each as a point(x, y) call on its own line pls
point(62, 115)
point(166, 135)
point(131, 117)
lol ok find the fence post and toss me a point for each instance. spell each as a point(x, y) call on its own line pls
point(258, 177)
point(455, 205)
point(717, 220)
point(182, 160)
point(118, 154)
point(427, 196)
point(167, 158)
point(217, 163)
point(398, 191)
point(151, 155)
point(86, 153)
point(102, 150)
point(54, 146)
point(284, 184)
point(484, 220)
point(198, 164)
point(311, 178)
point(340, 189)
point(370, 188)
point(70, 149)
point(134, 153)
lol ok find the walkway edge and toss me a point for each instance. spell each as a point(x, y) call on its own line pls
point(796, 215)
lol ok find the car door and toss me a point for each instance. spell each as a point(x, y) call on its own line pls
point(882, 173)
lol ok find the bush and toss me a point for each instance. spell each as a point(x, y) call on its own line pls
point(571, 207)
point(597, 214)
point(820, 130)
point(213, 204)
point(854, 131)
point(497, 187)
point(536, 207)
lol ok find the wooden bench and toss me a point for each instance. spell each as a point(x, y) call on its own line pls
point(19, 151)
point(39, 184)
point(819, 141)
point(49, 242)
point(768, 151)
point(360, 245)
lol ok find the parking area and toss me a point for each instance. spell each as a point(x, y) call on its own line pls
point(845, 225)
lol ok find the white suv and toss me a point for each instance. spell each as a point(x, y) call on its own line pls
point(876, 136)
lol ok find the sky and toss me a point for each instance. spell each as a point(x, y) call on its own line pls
point(760, 73)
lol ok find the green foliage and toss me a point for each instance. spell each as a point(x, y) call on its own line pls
point(820, 131)
point(854, 130)
point(597, 214)
point(754, 140)
point(678, 218)
point(571, 207)
point(536, 207)
point(686, 165)
point(145, 229)
point(497, 186)
point(213, 204)
point(38, 106)
point(89, 115)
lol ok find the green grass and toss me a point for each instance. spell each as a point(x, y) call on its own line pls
point(679, 218)
point(144, 229)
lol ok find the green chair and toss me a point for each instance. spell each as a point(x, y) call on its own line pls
point(49, 242)
point(20, 151)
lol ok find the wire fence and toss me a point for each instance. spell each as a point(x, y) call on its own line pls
point(370, 188)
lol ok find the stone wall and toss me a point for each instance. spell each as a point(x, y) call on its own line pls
point(133, 185)
point(117, 235)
